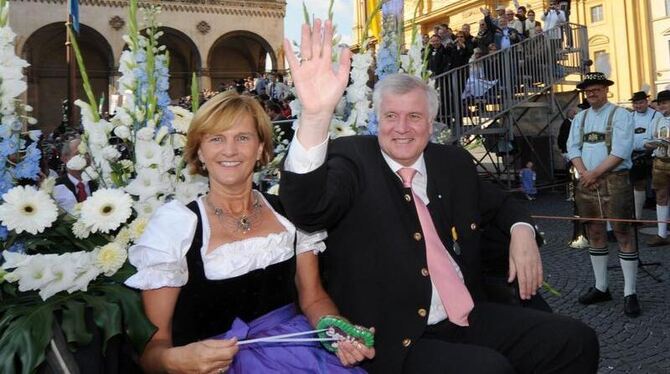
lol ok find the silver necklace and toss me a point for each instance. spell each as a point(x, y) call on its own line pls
point(243, 223)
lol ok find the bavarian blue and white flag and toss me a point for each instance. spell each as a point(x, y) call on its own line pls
point(73, 10)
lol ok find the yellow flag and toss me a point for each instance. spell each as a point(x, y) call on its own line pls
point(375, 23)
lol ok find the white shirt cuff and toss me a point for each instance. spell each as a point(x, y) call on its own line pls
point(302, 161)
point(522, 224)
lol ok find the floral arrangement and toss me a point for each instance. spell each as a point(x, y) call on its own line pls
point(71, 264)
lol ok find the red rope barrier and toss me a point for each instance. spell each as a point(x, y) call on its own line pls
point(577, 218)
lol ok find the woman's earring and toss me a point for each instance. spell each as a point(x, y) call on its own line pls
point(204, 167)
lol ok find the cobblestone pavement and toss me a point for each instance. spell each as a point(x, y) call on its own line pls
point(627, 345)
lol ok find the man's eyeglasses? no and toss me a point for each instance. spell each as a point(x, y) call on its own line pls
point(593, 90)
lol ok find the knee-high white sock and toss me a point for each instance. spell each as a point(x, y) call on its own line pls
point(640, 197)
point(609, 226)
point(599, 264)
point(662, 215)
point(628, 263)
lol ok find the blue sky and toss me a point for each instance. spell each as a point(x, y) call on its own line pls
point(343, 11)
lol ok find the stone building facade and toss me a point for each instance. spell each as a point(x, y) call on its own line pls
point(219, 40)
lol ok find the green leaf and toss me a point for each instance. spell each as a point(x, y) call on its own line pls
point(26, 337)
point(195, 94)
point(84, 74)
point(137, 327)
point(74, 323)
point(107, 316)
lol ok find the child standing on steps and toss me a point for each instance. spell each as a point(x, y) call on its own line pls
point(528, 176)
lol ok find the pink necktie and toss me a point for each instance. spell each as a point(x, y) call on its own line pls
point(455, 296)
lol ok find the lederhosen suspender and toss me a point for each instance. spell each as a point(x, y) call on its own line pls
point(608, 129)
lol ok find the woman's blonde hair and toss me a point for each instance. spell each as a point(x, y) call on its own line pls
point(219, 114)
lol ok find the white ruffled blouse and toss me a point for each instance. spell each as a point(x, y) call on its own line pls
point(160, 253)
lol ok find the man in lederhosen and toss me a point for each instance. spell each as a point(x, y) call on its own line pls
point(660, 180)
point(600, 146)
point(640, 173)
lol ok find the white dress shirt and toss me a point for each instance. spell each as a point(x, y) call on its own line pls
point(301, 161)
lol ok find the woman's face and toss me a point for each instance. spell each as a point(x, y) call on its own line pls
point(231, 155)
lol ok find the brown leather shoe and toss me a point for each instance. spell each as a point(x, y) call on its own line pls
point(657, 241)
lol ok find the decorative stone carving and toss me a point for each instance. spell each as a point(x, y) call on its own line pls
point(203, 27)
point(116, 22)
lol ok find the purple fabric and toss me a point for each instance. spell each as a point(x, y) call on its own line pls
point(290, 357)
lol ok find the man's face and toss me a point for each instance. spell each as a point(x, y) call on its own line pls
point(640, 106)
point(405, 126)
point(466, 29)
point(435, 41)
point(442, 31)
point(509, 14)
point(502, 23)
point(663, 107)
point(596, 94)
point(500, 12)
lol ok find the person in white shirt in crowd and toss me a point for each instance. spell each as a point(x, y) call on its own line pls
point(71, 188)
point(640, 173)
point(531, 25)
point(660, 174)
point(553, 17)
point(513, 22)
point(280, 89)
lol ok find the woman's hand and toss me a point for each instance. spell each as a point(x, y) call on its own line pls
point(352, 353)
point(319, 88)
point(207, 356)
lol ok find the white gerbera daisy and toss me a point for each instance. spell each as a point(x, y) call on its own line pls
point(27, 209)
point(106, 209)
point(137, 227)
point(110, 258)
point(339, 128)
point(79, 229)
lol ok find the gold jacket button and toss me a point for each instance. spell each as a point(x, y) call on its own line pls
point(473, 226)
point(406, 342)
point(408, 198)
point(422, 312)
point(424, 272)
point(417, 236)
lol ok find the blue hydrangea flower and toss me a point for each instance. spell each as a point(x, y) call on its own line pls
point(17, 247)
point(9, 146)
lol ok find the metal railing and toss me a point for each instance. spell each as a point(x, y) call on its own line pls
point(473, 96)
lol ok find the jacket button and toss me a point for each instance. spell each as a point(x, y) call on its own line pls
point(422, 312)
point(424, 272)
point(408, 198)
point(473, 226)
point(417, 236)
point(406, 342)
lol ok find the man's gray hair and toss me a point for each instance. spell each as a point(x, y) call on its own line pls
point(66, 150)
point(400, 84)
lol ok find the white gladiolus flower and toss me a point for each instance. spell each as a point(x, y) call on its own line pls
point(28, 108)
point(62, 275)
point(147, 183)
point(106, 210)
point(90, 173)
point(182, 119)
point(146, 134)
point(187, 192)
point(110, 258)
point(274, 190)
point(146, 208)
point(162, 132)
point(148, 153)
point(178, 141)
point(27, 209)
point(47, 185)
point(77, 162)
point(122, 132)
point(87, 272)
point(110, 153)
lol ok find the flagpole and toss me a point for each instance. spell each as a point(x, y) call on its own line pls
point(71, 77)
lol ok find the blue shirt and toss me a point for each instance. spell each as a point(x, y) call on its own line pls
point(643, 128)
point(593, 154)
